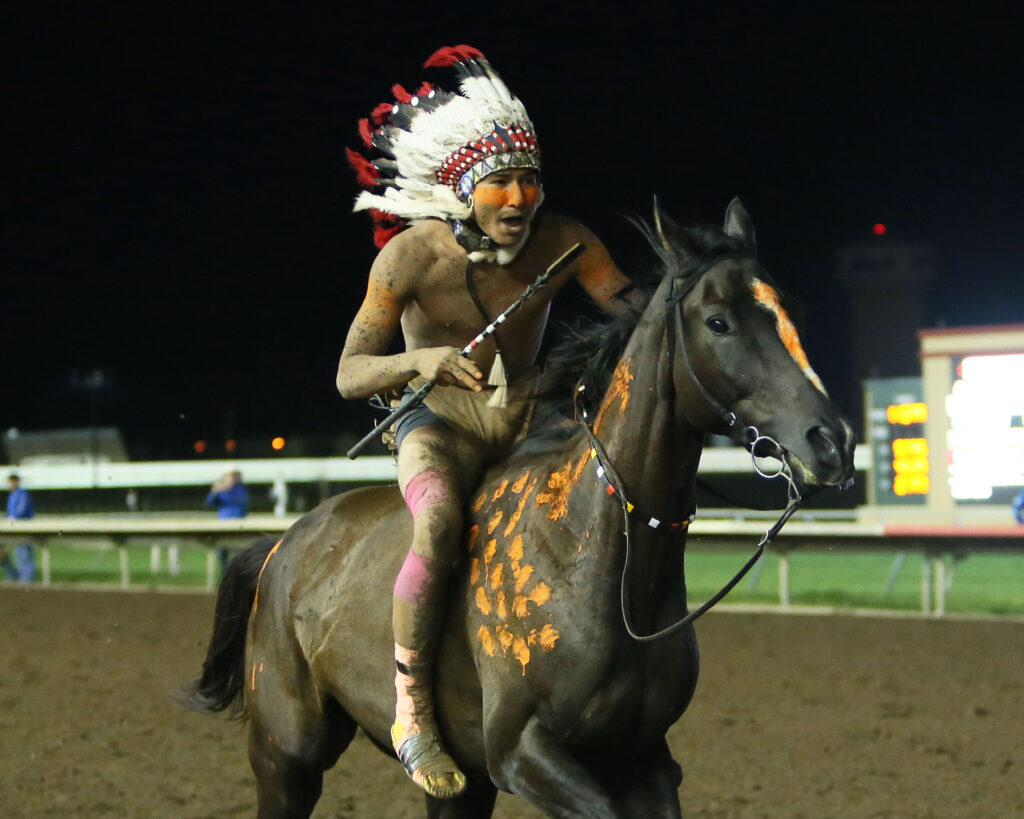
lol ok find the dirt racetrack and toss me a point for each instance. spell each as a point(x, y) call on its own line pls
point(794, 717)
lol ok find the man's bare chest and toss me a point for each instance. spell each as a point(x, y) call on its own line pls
point(445, 302)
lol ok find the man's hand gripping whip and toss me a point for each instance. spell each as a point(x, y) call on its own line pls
point(415, 399)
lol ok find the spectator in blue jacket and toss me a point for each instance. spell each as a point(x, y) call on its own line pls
point(232, 501)
point(1018, 507)
point(19, 507)
point(229, 496)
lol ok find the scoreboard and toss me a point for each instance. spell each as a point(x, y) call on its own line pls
point(896, 414)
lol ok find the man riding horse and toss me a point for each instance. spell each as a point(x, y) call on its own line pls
point(454, 197)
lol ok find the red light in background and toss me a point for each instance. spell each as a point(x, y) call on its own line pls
point(199, 446)
point(879, 229)
point(278, 443)
point(230, 445)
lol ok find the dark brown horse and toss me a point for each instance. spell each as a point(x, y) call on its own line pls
point(541, 691)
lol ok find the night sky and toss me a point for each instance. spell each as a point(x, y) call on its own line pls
point(176, 205)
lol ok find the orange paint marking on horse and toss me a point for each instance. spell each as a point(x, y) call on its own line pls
point(500, 490)
point(514, 517)
point(489, 550)
point(474, 533)
point(521, 652)
point(482, 601)
point(497, 574)
point(505, 637)
point(768, 297)
point(486, 640)
point(561, 484)
point(548, 637)
point(479, 502)
point(618, 391)
point(520, 482)
point(474, 571)
point(492, 524)
point(499, 605)
point(520, 573)
point(259, 577)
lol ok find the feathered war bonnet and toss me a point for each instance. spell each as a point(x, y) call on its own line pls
point(437, 145)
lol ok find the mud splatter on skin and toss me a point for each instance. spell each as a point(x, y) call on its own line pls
point(767, 297)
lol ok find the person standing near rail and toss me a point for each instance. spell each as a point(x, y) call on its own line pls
point(1018, 506)
point(232, 501)
point(19, 507)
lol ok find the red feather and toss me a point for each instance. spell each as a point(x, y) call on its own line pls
point(383, 235)
point(366, 172)
point(381, 112)
point(385, 226)
point(449, 55)
point(365, 133)
point(424, 89)
point(401, 94)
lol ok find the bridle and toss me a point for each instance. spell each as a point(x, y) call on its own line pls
point(747, 435)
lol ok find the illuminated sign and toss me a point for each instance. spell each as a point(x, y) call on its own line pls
point(910, 464)
point(985, 442)
point(895, 433)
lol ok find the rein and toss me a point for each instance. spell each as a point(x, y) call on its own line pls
point(747, 435)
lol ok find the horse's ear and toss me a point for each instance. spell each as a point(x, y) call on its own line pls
point(673, 238)
point(660, 218)
point(739, 224)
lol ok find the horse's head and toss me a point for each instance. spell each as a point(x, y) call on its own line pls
point(738, 364)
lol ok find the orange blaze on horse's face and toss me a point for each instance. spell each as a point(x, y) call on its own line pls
point(504, 204)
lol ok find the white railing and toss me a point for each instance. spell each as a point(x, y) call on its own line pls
point(934, 542)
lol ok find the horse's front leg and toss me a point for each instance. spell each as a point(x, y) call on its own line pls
point(533, 764)
point(647, 787)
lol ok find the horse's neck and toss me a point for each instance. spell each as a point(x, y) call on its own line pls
point(655, 453)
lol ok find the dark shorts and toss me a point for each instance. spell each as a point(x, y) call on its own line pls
point(420, 416)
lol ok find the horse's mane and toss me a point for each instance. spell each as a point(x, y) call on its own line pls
point(590, 349)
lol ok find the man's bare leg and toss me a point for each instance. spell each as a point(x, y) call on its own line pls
point(435, 470)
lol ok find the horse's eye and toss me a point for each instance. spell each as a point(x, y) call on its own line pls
point(717, 325)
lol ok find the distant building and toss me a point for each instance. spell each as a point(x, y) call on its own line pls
point(102, 444)
point(886, 285)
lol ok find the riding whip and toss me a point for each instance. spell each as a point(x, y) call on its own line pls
point(409, 402)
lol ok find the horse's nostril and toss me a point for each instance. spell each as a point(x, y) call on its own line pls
point(825, 445)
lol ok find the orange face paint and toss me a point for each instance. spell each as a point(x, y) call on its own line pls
point(513, 195)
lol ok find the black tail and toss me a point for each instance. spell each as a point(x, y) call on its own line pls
point(220, 685)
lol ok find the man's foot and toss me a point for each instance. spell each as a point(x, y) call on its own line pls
point(427, 763)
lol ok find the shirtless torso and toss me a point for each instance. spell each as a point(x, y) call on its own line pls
point(418, 284)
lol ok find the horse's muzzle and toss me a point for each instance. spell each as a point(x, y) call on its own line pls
point(832, 451)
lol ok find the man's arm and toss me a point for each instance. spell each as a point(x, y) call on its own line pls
point(601, 279)
point(364, 368)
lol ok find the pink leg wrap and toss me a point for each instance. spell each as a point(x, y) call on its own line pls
point(414, 575)
point(426, 489)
